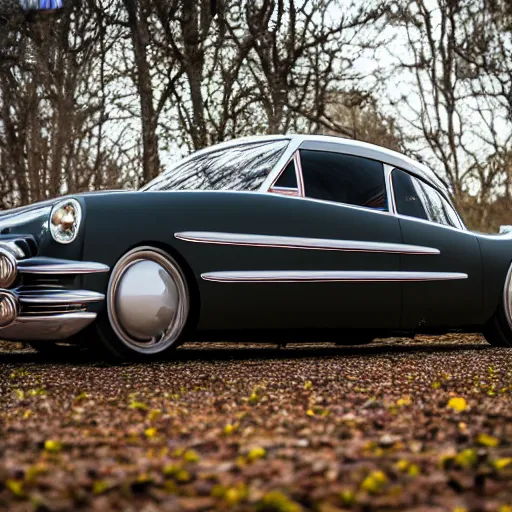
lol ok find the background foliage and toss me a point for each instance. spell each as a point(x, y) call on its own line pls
point(109, 92)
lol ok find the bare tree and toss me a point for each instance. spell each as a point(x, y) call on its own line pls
point(53, 110)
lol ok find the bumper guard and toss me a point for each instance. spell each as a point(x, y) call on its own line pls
point(43, 310)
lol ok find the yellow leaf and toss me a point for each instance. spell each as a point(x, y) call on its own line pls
point(99, 487)
point(413, 470)
point(256, 453)
point(52, 446)
point(34, 471)
point(150, 432)
point(229, 429)
point(374, 482)
point(191, 456)
point(502, 463)
point(183, 476)
point(402, 465)
point(27, 414)
point(171, 469)
point(457, 404)
point(310, 412)
point(466, 458)
point(308, 385)
point(406, 400)
point(138, 405)
point(347, 497)
point(154, 414)
point(487, 440)
point(276, 500)
point(436, 384)
point(16, 487)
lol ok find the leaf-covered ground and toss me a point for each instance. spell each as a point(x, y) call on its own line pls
point(424, 425)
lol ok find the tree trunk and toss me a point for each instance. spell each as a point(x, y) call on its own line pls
point(139, 35)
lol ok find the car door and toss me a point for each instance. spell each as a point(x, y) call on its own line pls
point(346, 201)
point(453, 297)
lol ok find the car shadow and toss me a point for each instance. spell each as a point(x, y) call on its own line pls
point(235, 352)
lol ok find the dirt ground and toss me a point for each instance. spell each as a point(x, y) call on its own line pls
point(423, 425)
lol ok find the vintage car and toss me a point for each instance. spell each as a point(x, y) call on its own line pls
point(277, 238)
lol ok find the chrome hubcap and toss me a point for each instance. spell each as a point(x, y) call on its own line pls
point(147, 300)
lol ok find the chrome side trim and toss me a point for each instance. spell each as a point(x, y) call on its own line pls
point(59, 296)
point(388, 169)
point(46, 327)
point(42, 265)
point(299, 173)
point(289, 242)
point(325, 276)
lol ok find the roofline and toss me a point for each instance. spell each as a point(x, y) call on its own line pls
point(341, 145)
point(349, 146)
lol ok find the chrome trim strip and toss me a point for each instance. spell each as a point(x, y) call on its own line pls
point(59, 297)
point(285, 191)
point(299, 174)
point(289, 242)
point(325, 276)
point(47, 327)
point(41, 265)
point(388, 169)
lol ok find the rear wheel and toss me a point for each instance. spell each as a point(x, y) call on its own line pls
point(498, 331)
point(148, 304)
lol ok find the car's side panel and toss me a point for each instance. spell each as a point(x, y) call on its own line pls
point(450, 303)
point(496, 260)
point(115, 224)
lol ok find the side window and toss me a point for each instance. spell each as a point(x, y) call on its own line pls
point(286, 184)
point(288, 178)
point(344, 179)
point(415, 198)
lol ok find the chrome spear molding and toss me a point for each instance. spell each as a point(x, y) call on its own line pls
point(300, 276)
point(289, 242)
point(56, 266)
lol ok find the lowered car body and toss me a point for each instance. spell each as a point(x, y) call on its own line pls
point(301, 236)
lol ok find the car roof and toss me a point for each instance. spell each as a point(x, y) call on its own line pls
point(339, 145)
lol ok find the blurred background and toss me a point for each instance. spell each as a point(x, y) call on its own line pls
point(104, 94)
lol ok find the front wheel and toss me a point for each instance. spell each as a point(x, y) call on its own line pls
point(148, 305)
point(498, 331)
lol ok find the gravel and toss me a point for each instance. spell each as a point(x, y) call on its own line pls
point(423, 424)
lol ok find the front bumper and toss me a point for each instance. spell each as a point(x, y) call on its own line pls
point(41, 298)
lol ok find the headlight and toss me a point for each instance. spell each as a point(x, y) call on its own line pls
point(65, 219)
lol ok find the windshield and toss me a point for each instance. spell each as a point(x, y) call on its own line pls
point(240, 167)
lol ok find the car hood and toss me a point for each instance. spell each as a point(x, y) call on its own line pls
point(50, 202)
